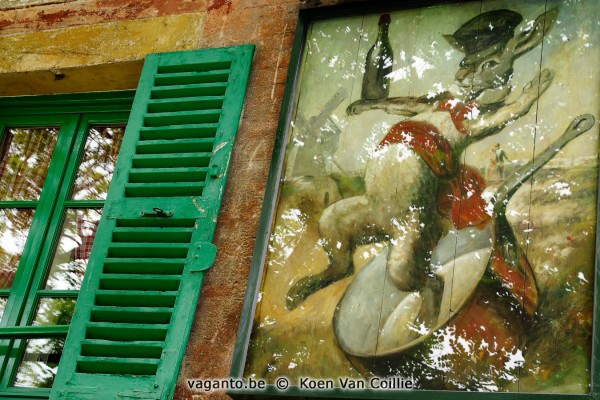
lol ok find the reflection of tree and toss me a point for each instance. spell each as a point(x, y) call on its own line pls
point(2, 305)
point(14, 227)
point(67, 276)
point(98, 162)
point(54, 311)
point(72, 254)
point(24, 159)
point(41, 358)
point(40, 363)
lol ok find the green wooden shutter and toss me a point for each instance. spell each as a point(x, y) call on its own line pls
point(137, 301)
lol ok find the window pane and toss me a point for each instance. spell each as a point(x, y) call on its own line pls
point(74, 246)
point(98, 162)
point(14, 227)
point(54, 311)
point(24, 159)
point(2, 306)
point(40, 363)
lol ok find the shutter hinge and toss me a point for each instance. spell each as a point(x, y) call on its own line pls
point(203, 256)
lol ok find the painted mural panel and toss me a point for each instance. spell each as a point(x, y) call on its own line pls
point(436, 214)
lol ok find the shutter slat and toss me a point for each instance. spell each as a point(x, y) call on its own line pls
point(190, 78)
point(182, 118)
point(215, 65)
point(175, 146)
point(139, 349)
point(148, 250)
point(125, 366)
point(155, 315)
point(153, 235)
point(185, 104)
point(174, 222)
point(154, 175)
point(143, 279)
point(126, 331)
point(171, 160)
point(203, 89)
point(163, 189)
point(165, 266)
point(179, 131)
point(139, 282)
point(135, 298)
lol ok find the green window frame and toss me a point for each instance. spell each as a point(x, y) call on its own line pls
point(271, 197)
point(153, 242)
point(73, 116)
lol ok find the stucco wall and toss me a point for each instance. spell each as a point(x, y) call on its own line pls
point(270, 25)
point(100, 44)
point(90, 45)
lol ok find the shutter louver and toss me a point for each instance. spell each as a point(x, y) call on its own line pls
point(137, 301)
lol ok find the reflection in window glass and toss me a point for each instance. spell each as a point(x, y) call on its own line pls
point(14, 227)
point(54, 311)
point(2, 306)
point(73, 251)
point(24, 159)
point(98, 163)
point(40, 363)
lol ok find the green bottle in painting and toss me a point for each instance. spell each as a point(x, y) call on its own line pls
point(378, 65)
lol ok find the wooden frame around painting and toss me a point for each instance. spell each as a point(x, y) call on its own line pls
point(430, 215)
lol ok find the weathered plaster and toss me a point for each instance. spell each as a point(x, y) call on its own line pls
point(57, 14)
point(7, 4)
point(270, 25)
point(98, 44)
point(105, 77)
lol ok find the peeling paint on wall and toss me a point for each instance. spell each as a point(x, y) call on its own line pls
point(216, 4)
point(68, 13)
point(6, 4)
point(99, 44)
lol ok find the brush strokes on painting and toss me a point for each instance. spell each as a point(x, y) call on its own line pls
point(436, 217)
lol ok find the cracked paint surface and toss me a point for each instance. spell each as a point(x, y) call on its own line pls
point(98, 44)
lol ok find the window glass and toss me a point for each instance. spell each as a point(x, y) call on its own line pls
point(24, 159)
point(98, 162)
point(54, 311)
point(54, 177)
point(73, 250)
point(2, 305)
point(40, 363)
point(14, 227)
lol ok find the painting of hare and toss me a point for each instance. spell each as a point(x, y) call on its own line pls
point(416, 186)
